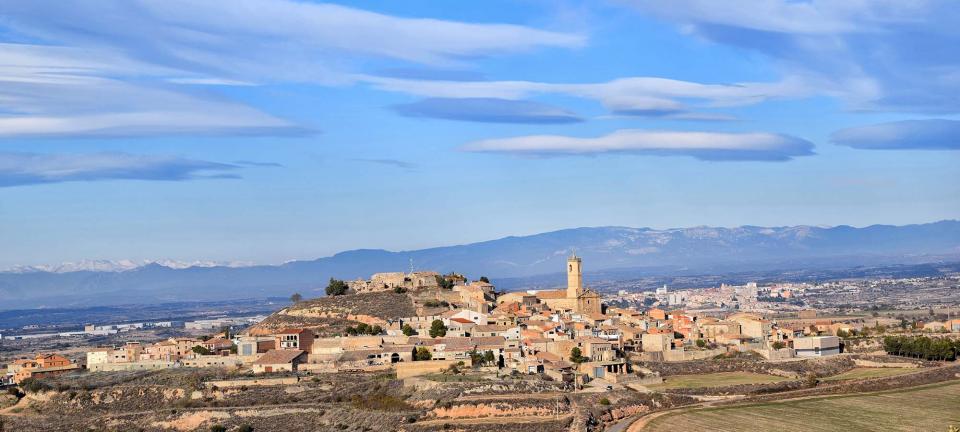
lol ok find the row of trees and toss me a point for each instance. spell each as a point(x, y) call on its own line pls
point(364, 329)
point(486, 358)
point(922, 347)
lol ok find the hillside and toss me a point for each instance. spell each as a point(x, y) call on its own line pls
point(604, 248)
point(331, 315)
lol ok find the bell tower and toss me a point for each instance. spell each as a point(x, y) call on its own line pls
point(574, 276)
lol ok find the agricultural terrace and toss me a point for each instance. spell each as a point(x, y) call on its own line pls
point(720, 379)
point(925, 408)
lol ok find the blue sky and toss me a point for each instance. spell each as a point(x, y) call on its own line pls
point(272, 130)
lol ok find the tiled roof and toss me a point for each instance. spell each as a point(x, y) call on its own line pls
point(279, 357)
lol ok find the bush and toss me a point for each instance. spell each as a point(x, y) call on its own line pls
point(336, 287)
point(422, 354)
point(437, 329)
point(33, 385)
point(604, 401)
point(218, 428)
point(576, 356)
point(245, 428)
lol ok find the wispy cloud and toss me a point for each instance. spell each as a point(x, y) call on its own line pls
point(876, 55)
point(489, 110)
point(56, 92)
point(137, 67)
point(635, 96)
point(258, 164)
point(20, 169)
point(715, 146)
point(931, 134)
point(391, 162)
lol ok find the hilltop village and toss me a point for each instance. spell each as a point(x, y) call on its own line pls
point(443, 336)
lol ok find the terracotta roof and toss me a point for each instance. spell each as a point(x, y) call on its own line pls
point(279, 357)
point(461, 320)
point(552, 294)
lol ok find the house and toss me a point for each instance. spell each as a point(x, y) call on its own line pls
point(294, 339)
point(282, 360)
point(953, 325)
point(172, 349)
point(250, 346)
point(218, 345)
point(656, 340)
point(816, 346)
point(657, 314)
point(42, 365)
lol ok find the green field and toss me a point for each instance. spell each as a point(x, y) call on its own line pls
point(927, 408)
point(715, 380)
point(862, 373)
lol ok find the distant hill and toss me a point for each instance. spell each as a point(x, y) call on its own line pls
point(705, 249)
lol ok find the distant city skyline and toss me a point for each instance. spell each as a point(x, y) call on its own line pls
point(267, 131)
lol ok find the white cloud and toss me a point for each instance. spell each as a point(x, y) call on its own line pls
point(874, 54)
point(137, 67)
point(56, 91)
point(268, 40)
point(701, 145)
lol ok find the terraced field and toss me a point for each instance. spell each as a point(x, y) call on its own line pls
point(719, 379)
point(925, 408)
point(863, 373)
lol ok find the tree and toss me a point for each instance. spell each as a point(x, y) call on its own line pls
point(408, 331)
point(811, 380)
point(202, 350)
point(576, 356)
point(488, 357)
point(218, 428)
point(296, 297)
point(701, 343)
point(422, 354)
point(484, 279)
point(778, 345)
point(437, 329)
point(444, 282)
point(336, 287)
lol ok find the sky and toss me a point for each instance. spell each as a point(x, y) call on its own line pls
point(271, 130)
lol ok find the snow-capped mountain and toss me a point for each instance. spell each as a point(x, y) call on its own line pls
point(694, 250)
point(110, 266)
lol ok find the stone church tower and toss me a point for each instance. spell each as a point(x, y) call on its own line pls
point(584, 301)
point(574, 277)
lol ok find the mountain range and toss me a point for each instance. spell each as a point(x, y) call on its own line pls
point(687, 250)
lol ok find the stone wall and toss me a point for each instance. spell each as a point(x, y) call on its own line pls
point(412, 369)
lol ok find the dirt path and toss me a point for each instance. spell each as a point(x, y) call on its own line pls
point(19, 406)
point(494, 420)
point(512, 396)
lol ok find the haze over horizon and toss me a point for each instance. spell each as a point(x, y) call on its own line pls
point(273, 130)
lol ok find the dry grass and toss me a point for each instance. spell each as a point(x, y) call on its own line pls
point(720, 379)
point(925, 408)
point(863, 373)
